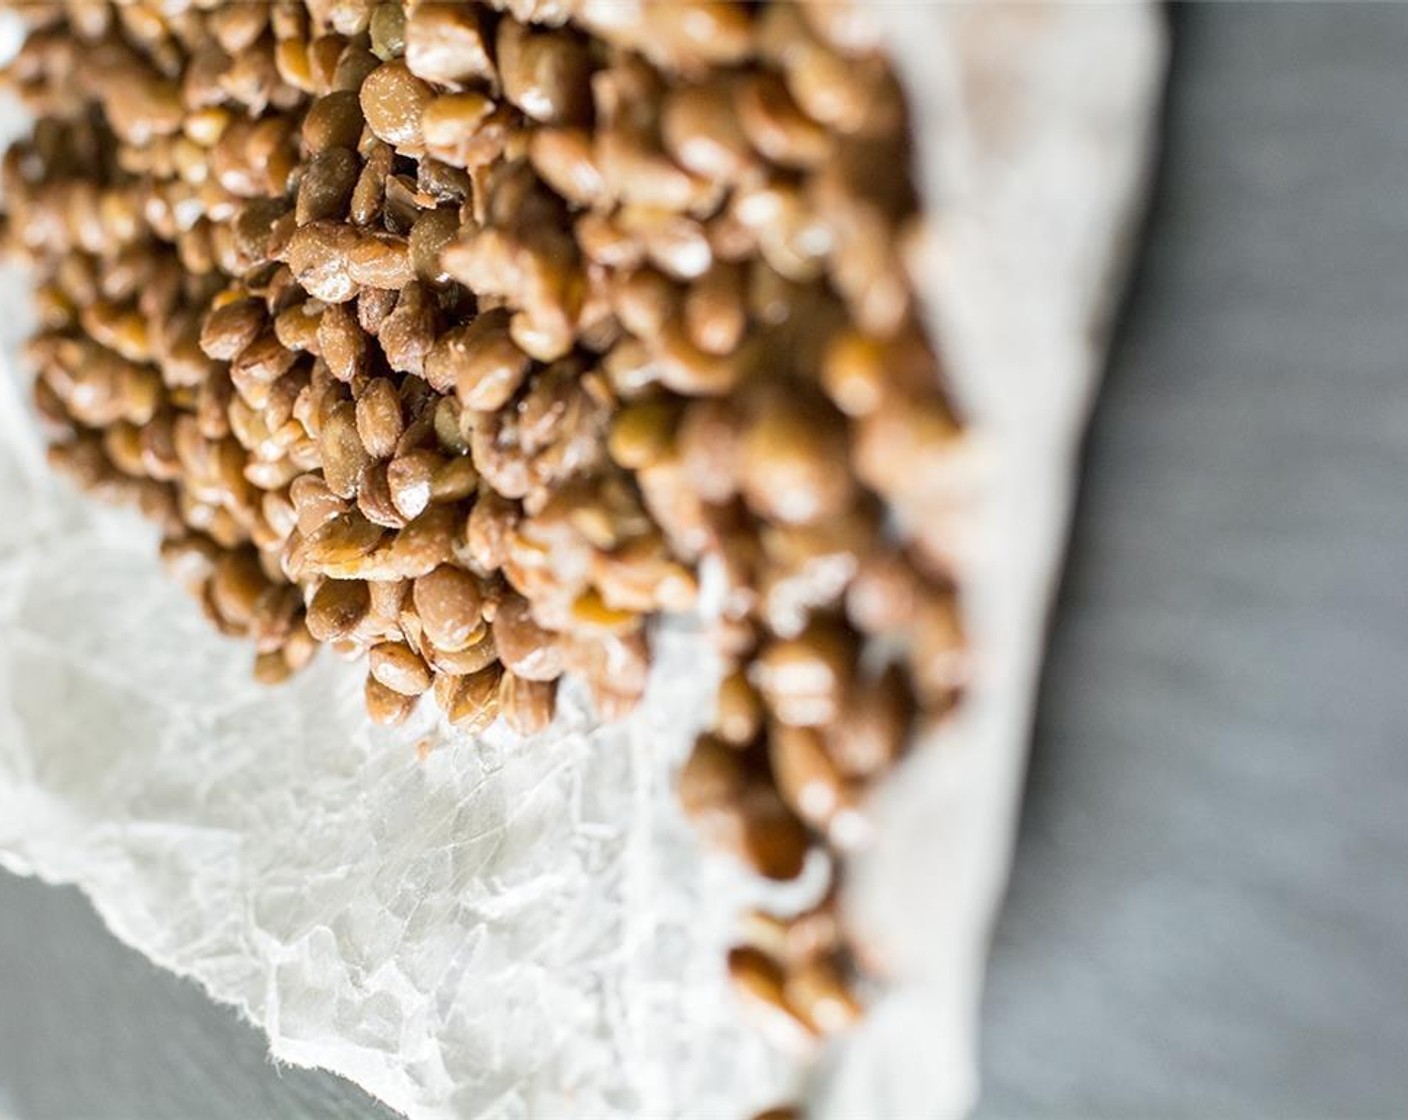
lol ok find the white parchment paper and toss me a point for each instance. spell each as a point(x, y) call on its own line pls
point(510, 929)
point(1036, 125)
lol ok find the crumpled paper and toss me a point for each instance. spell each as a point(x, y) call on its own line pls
point(501, 928)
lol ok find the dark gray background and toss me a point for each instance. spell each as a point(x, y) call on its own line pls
point(90, 1030)
point(1208, 915)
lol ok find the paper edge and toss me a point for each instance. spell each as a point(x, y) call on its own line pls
point(959, 797)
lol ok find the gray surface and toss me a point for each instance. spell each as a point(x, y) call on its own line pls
point(89, 1030)
point(1209, 915)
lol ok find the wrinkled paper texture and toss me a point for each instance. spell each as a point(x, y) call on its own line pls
point(501, 928)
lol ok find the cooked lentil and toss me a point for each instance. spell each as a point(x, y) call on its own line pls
point(462, 336)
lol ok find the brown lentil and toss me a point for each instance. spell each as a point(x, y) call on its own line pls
point(385, 705)
point(527, 706)
point(392, 99)
point(449, 604)
point(472, 702)
point(379, 420)
point(325, 190)
point(399, 668)
point(333, 121)
point(446, 43)
point(480, 331)
point(759, 981)
point(337, 609)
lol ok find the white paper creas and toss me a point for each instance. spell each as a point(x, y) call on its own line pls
point(501, 928)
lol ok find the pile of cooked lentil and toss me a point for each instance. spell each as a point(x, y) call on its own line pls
point(470, 339)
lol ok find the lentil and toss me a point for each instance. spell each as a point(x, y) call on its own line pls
point(480, 331)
